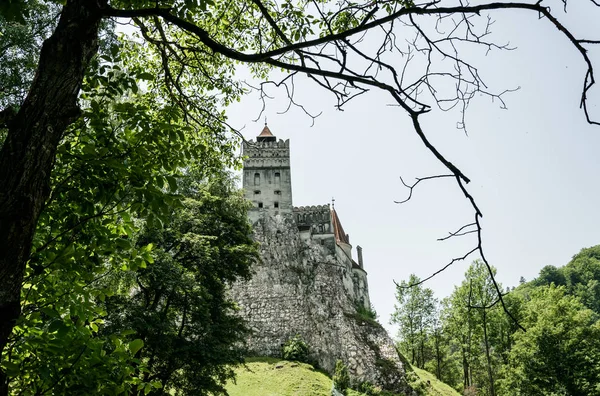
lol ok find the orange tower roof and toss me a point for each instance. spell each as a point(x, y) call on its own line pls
point(266, 132)
point(338, 230)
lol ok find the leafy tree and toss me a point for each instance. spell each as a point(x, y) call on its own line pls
point(19, 51)
point(341, 378)
point(477, 327)
point(582, 275)
point(178, 306)
point(440, 341)
point(460, 324)
point(295, 349)
point(560, 352)
point(116, 170)
point(550, 274)
point(414, 313)
point(484, 297)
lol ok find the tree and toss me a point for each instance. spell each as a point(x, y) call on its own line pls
point(178, 306)
point(460, 324)
point(582, 275)
point(560, 352)
point(484, 298)
point(414, 313)
point(473, 320)
point(550, 274)
point(188, 38)
point(123, 166)
point(341, 379)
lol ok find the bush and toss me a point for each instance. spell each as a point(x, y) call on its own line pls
point(366, 313)
point(295, 349)
point(341, 379)
point(369, 389)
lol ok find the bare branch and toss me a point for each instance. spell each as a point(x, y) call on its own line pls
point(454, 260)
point(419, 179)
point(459, 233)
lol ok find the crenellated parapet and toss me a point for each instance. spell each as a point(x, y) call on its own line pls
point(317, 218)
point(266, 154)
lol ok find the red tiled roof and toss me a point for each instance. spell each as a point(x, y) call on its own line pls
point(338, 230)
point(266, 132)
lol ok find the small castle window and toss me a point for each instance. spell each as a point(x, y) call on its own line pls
point(320, 227)
point(276, 205)
point(257, 179)
point(277, 192)
point(277, 178)
point(260, 205)
point(256, 192)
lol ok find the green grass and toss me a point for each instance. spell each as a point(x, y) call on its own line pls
point(261, 377)
point(434, 387)
point(275, 377)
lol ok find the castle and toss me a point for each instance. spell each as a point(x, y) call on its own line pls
point(306, 282)
point(267, 184)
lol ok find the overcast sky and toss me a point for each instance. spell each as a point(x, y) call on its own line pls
point(535, 167)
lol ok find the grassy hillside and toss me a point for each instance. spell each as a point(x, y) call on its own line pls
point(429, 385)
point(275, 377)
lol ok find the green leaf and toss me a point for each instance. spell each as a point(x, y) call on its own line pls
point(172, 183)
point(12, 369)
point(145, 76)
point(136, 345)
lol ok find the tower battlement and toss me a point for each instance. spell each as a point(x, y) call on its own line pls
point(266, 178)
point(317, 218)
point(267, 154)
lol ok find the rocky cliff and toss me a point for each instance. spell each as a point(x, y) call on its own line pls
point(300, 287)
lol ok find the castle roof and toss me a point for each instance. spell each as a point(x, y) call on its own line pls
point(266, 132)
point(266, 135)
point(338, 230)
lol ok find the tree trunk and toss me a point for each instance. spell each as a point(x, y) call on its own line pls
point(465, 365)
point(28, 153)
point(422, 348)
point(487, 353)
point(438, 356)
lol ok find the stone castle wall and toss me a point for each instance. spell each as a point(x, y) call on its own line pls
point(300, 286)
point(267, 177)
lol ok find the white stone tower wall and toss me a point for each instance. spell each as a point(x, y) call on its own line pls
point(267, 177)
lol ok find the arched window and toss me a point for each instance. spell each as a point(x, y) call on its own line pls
point(257, 179)
point(277, 178)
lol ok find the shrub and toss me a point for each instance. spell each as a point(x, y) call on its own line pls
point(341, 379)
point(366, 313)
point(369, 389)
point(295, 349)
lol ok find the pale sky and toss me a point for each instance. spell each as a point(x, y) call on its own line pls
point(535, 167)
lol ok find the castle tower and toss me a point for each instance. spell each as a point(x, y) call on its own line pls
point(267, 177)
